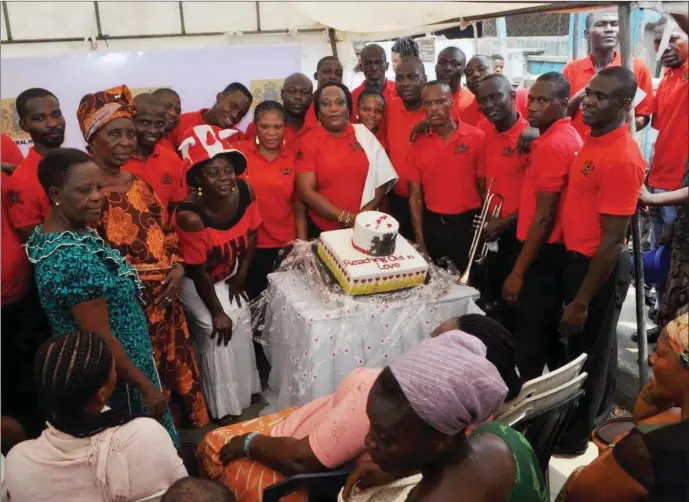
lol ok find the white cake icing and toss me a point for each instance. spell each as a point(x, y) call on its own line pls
point(375, 233)
point(362, 274)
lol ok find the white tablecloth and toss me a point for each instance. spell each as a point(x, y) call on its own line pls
point(313, 342)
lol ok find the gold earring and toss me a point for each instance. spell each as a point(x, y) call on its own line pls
point(257, 141)
point(199, 191)
point(57, 203)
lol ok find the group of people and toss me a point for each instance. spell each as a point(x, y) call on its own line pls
point(144, 252)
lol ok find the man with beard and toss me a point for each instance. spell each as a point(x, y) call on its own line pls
point(158, 166)
point(503, 167)
point(328, 70)
point(297, 93)
point(231, 106)
point(449, 69)
point(41, 117)
point(444, 191)
point(533, 284)
point(173, 109)
point(401, 116)
point(374, 63)
point(671, 120)
point(602, 193)
point(603, 33)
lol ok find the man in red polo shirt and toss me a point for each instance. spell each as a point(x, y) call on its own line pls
point(602, 193)
point(444, 193)
point(231, 106)
point(297, 93)
point(603, 33)
point(476, 70)
point(328, 69)
point(401, 116)
point(504, 167)
point(40, 116)
point(156, 165)
point(173, 109)
point(533, 283)
point(449, 69)
point(671, 119)
point(374, 63)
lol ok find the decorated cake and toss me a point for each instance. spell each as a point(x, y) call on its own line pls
point(372, 257)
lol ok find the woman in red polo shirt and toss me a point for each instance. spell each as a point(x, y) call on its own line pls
point(341, 168)
point(217, 225)
point(270, 172)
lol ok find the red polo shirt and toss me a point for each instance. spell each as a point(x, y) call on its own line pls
point(9, 151)
point(273, 184)
point(504, 164)
point(290, 139)
point(671, 118)
point(551, 156)
point(310, 119)
point(15, 265)
point(193, 119)
point(605, 178)
point(164, 171)
point(167, 141)
point(341, 167)
point(580, 71)
point(399, 124)
point(28, 202)
point(448, 170)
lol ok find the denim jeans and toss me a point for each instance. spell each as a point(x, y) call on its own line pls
point(661, 218)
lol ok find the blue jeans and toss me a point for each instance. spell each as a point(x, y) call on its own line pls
point(661, 218)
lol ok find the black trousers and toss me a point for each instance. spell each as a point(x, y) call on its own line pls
point(265, 261)
point(449, 236)
point(496, 268)
point(597, 340)
point(539, 310)
point(24, 328)
point(399, 209)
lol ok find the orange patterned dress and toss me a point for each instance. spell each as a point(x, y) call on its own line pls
point(133, 223)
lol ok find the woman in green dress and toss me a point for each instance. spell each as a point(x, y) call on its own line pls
point(84, 284)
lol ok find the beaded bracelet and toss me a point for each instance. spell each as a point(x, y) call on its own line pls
point(247, 444)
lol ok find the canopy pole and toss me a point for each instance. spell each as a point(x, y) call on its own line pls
point(333, 41)
point(624, 14)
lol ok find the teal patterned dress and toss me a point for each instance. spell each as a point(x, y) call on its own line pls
point(73, 268)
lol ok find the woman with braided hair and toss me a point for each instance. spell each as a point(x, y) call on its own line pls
point(88, 452)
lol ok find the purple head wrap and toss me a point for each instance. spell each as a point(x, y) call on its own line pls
point(449, 382)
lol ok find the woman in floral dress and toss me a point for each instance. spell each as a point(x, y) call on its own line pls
point(134, 224)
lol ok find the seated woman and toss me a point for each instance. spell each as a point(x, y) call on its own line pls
point(419, 410)
point(85, 284)
point(651, 462)
point(217, 226)
point(341, 168)
point(88, 452)
point(328, 432)
point(370, 111)
point(270, 172)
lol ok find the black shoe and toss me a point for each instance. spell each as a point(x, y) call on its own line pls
point(571, 448)
point(651, 336)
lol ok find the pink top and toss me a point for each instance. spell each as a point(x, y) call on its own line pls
point(336, 424)
point(131, 462)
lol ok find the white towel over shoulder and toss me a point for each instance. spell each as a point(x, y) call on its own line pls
point(380, 170)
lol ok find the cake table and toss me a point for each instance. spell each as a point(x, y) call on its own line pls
point(312, 342)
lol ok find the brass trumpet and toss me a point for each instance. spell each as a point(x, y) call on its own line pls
point(479, 225)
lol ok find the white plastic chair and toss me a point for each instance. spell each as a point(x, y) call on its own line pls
point(544, 383)
point(539, 402)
